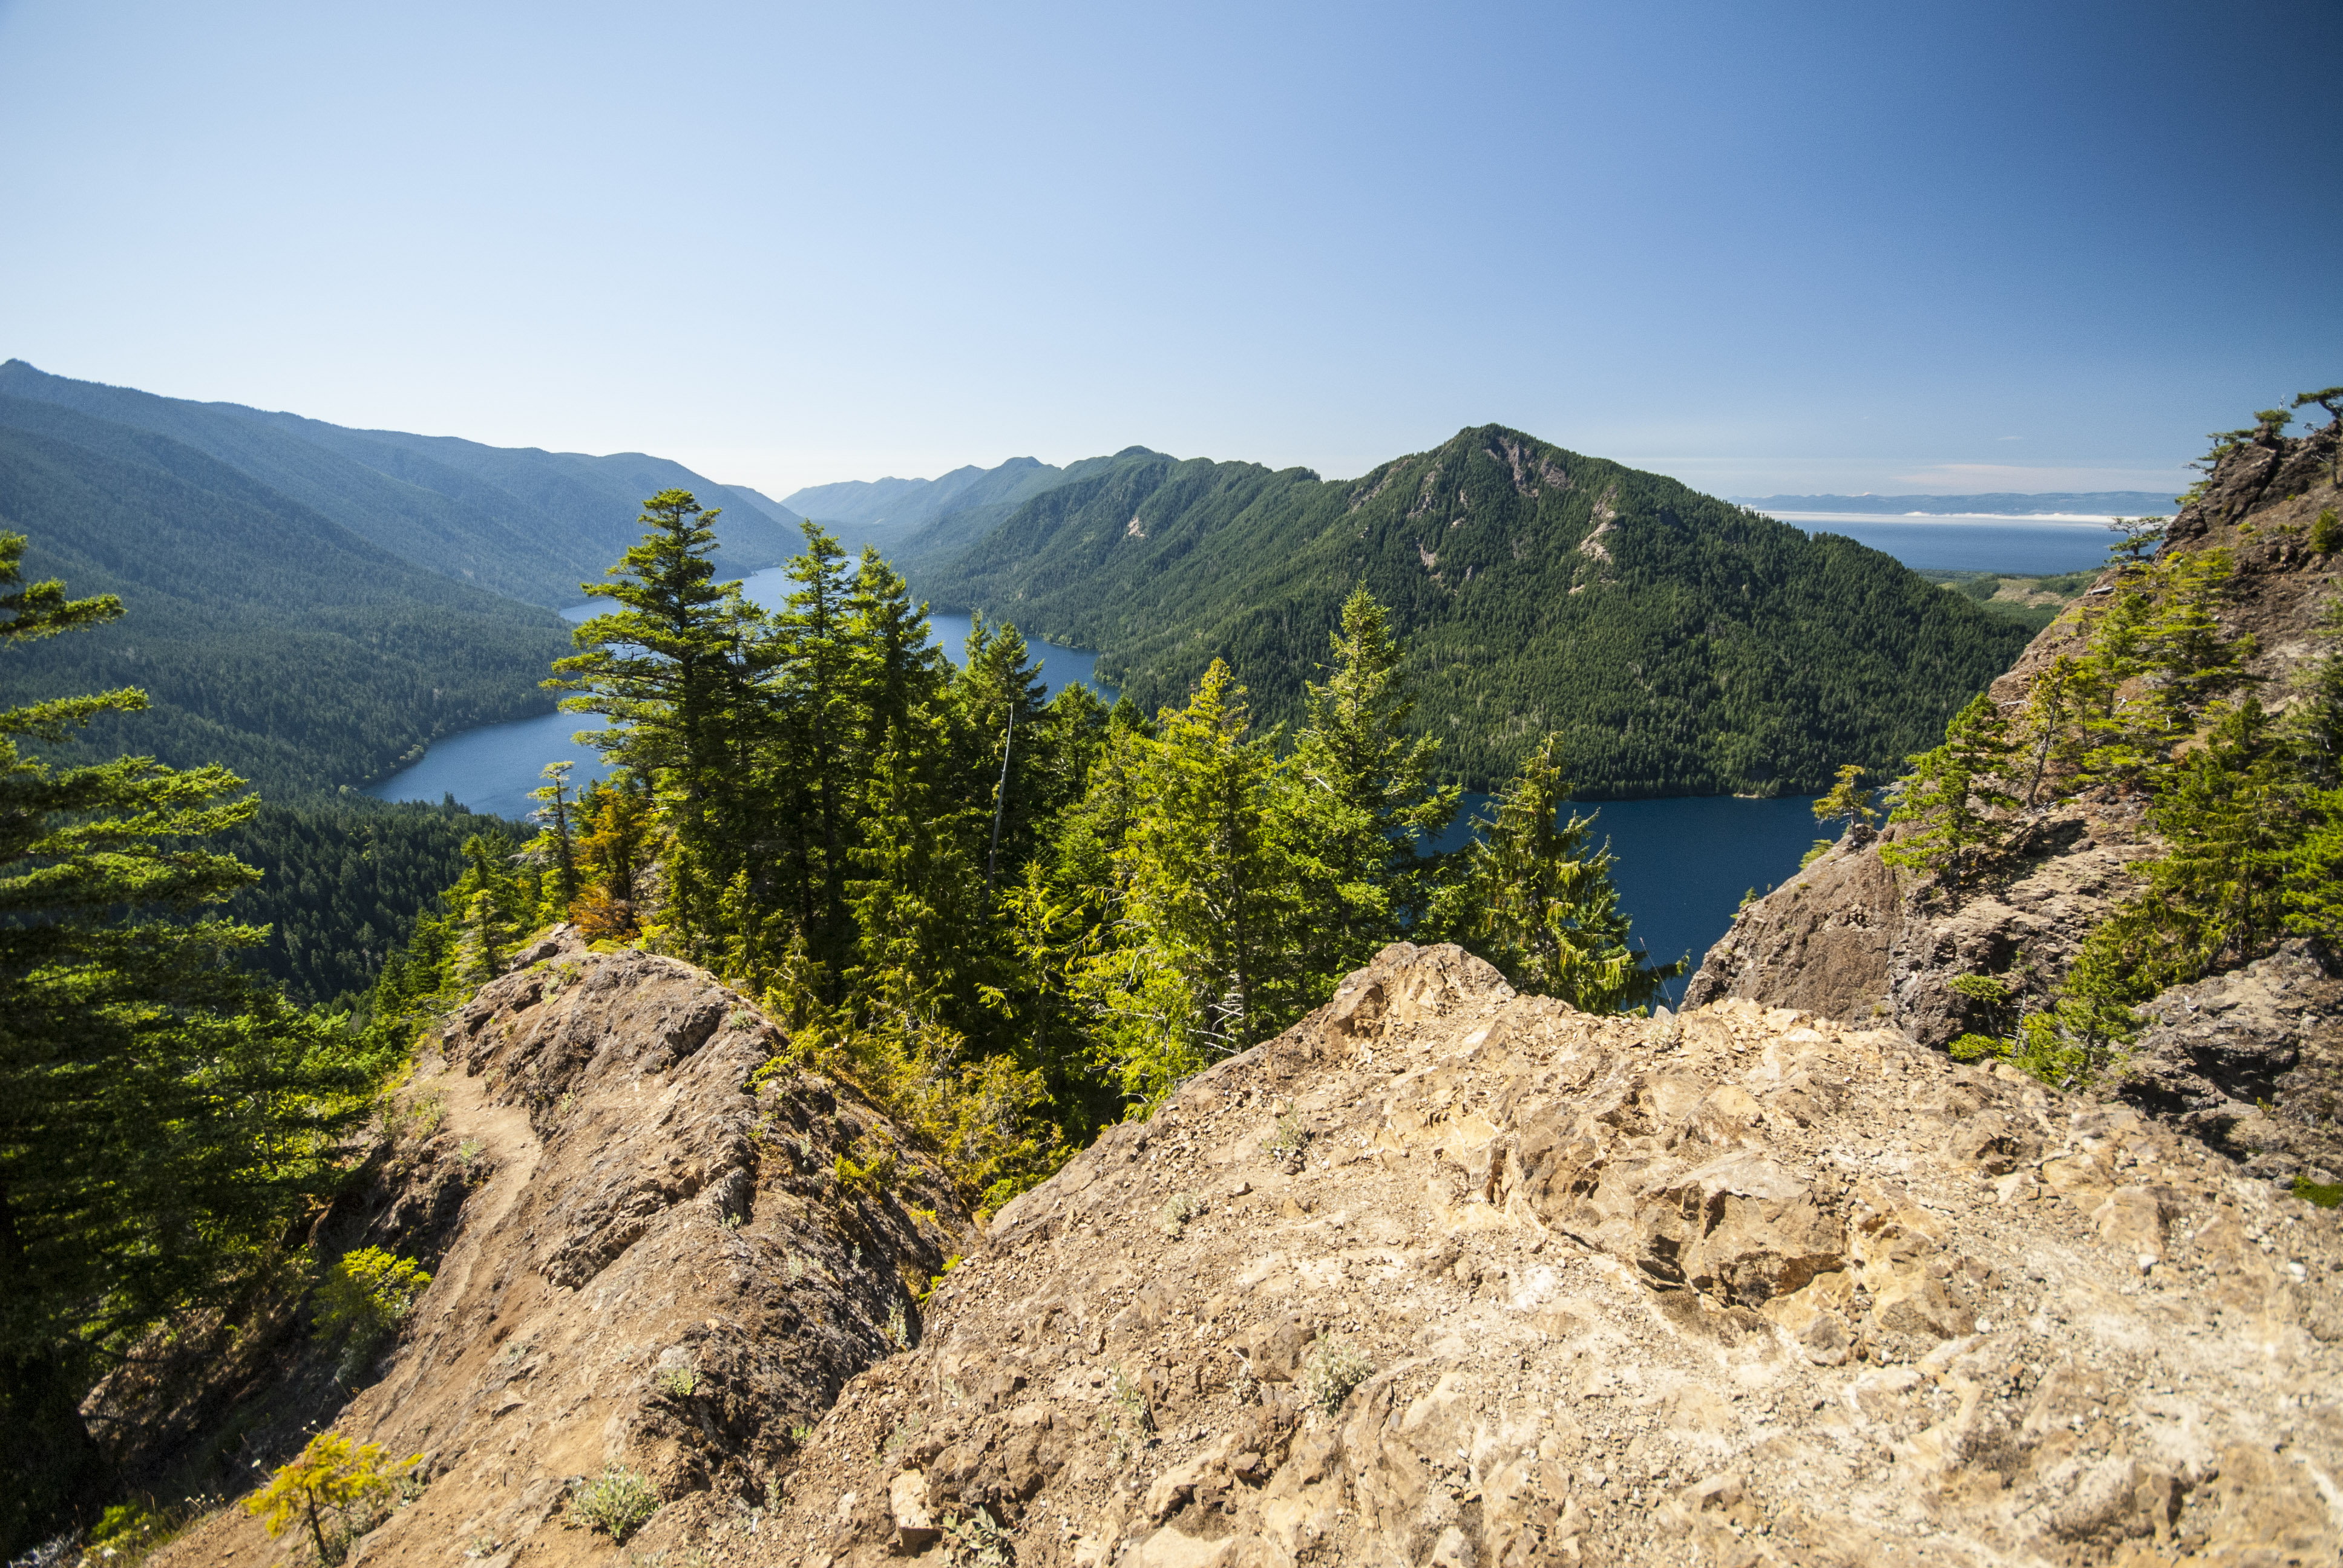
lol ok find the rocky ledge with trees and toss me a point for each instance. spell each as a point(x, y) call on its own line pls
point(2123, 870)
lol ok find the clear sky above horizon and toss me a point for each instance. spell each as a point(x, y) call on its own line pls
point(1822, 248)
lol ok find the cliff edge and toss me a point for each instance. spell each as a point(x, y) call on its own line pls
point(1448, 1275)
point(2251, 1057)
point(641, 1259)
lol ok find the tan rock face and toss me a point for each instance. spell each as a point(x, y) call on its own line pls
point(1846, 940)
point(655, 1268)
point(1744, 1286)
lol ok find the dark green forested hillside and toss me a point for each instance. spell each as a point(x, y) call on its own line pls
point(520, 521)
point(1680, 644)
point(343, 883)
point(269, 638)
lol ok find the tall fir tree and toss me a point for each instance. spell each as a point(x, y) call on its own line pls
point(898, 669)
point(1371, 787)
point(554, 848)
point(162, 1113)
point(673, 669)
point(822, 721)
point(998, 699)
point(1535, 897)
point(1201, 952)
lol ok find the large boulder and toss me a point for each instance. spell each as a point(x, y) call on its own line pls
point(1745, 1286)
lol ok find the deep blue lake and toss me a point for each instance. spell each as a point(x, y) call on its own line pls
point(1683, 864)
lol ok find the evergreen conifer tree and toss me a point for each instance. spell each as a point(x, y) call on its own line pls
point(618, 832)
point(2190, 660)
point(1847, 801)
point(1202, 956)
point(900, 670)
point(673, 669)
point(558, 844)
point(161, 1111)
point(2114, 740)
point(1953, 795)
point(1369, 786)
point(1535, 899)
point(493, 907)
point(822, 709)
point(2048, 727)
point(998, 702)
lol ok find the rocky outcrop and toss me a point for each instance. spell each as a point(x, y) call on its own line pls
point(1450, 1275)
point(2251, 1061)
point(655, 1264)
point(1845, 939)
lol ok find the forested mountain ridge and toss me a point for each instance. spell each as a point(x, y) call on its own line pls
point(888, 512)
point(270, 638)
point(964, 523)
point(1680, 644)
point(520, 521)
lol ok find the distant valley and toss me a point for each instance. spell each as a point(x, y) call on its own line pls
point(905, 518)
point(315, 607)
point(269, 636)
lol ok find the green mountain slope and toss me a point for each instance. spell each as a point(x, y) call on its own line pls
point(964, 524)
point(343, 882)
point(523, 522)
point(269, 638)
point(1682, 644)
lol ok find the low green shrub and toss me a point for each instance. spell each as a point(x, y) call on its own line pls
point(1289, 1138)
point(2325, 1194)
point(617, 1503)
point(1335, 1366)
point(1177, 1210)
point(362, 1298)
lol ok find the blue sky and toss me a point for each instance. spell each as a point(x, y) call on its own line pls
point(1765, 248)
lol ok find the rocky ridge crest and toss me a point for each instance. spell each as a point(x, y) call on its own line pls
point(651, 1262)
point(1844, 939)
point(1448, 1275)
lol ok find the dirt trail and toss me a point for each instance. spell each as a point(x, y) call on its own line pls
point(655, 1267)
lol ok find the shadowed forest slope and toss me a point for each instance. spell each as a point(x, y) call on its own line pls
point(269, 638)
point(521, 521)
